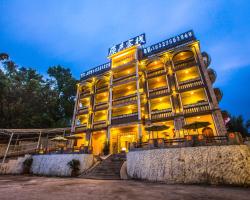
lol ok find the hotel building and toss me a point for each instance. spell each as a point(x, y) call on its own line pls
point(169, 83)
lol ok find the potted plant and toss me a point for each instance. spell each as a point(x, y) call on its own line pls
point(74, 166)
point(27, 165)
point(106, 148)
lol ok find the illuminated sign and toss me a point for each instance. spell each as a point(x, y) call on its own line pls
point(97, 70)
point(169, 43)
point(140, 39)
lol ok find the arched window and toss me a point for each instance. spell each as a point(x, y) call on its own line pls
point(183, 56)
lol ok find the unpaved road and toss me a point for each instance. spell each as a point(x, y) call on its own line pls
point(32, 188)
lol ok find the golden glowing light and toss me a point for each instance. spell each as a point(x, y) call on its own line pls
point(158, 80)
point(128, 71)
point(160, 99)
point(198, 117)
point(192, 93)
point(186, 71)
point(129, 88)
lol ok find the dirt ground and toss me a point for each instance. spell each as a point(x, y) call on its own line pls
point(32, 188)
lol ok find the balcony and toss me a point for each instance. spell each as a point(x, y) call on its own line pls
point(124, 79)
point(212, 75)
point(99, 124)
point(191, 83)
point(101, 106)
point(184, 64)
point(123, 119)
point(130, 99)
point(84, 94)
point(161, 114)
point(83, 110)
point(81, 128)
point(102, 89)
point(123, 61)
point(196, 108)
point(158, 92)
point(218, 93)
point(157, 72)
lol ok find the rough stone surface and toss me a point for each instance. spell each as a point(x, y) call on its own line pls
point(123, 171)
point(14, 166)
point(57, 165)
point(192, 165)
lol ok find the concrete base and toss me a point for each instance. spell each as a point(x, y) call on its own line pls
point(192, 165)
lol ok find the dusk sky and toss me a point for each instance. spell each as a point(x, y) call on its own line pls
point(77, 34)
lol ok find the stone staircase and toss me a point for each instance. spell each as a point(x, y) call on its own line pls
point(108, 168)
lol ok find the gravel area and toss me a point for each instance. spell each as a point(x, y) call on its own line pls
point(32, 187)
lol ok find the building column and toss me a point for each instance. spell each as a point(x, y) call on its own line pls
point(138, 93)
point(110, 104)
point(6, 152)
point(75, 109)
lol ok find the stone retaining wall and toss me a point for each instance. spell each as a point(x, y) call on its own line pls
point(56, 165)
point(192, 165)
point(48, 165)
point(13, 166)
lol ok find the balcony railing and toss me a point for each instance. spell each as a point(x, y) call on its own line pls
point(125, 100)
point(101, 106)
point(100, 124)
point(157, 72)
point(158, 92)
point(161, 114)
point(185, 64)
point(196, 108)
point(102, 89)
point(190, 83)
point(124, 79)
point(84, 94)
point(82, 110)
point(81, 128)
point(126, 118)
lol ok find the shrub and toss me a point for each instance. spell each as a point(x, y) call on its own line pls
point(27, 165)
point(74, 166)
point(106, 148)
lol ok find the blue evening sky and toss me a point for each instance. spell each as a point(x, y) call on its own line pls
point(77, 34)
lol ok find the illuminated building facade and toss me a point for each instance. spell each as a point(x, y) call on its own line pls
point(169, 83)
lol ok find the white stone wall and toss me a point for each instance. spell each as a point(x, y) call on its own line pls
point(48, 165)
point(14, 166)
point(57, 164)
point(192, 165)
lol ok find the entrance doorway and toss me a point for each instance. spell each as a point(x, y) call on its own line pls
point(122, 138)
point(98, 141)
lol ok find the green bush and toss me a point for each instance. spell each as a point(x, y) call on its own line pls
point(106, 148)
point(27, 165)
point(74, 166)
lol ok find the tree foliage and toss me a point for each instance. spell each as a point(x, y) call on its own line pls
point(237, 124)
point(28, 100)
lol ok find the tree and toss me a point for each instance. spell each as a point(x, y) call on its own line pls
point(236, 124)
point(65, 85)
point(27, 100)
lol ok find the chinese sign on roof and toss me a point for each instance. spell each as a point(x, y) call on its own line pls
point(97, 70)
point(169, 43)
point(140, 39)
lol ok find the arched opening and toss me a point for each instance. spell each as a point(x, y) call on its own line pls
point(183, 56)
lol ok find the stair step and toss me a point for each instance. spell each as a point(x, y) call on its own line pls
point(107, 169)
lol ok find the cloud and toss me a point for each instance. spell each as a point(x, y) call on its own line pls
point(228, 56)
